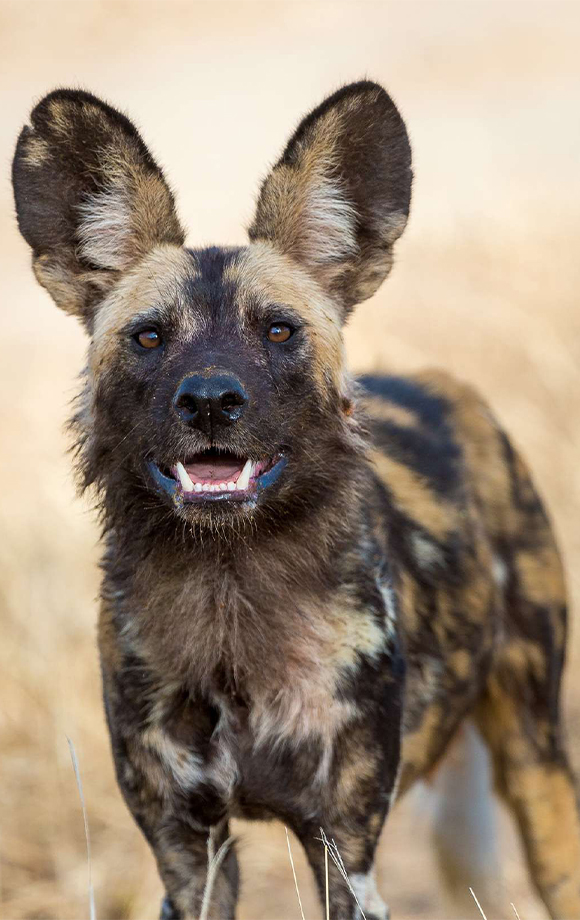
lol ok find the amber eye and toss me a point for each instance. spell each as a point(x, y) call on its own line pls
point(148, 338)
point(279, 332)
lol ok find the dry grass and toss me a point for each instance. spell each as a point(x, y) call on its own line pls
point(487, 284)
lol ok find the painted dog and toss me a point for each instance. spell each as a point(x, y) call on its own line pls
point(310, 583)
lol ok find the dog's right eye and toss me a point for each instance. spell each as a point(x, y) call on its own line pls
point(148, 338)
point(280, 332)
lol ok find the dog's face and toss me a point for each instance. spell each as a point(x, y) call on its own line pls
point(216, 379)
point(222, 371)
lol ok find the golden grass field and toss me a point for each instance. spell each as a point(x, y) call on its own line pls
point(487, 284)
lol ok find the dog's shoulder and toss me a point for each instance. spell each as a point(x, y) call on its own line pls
point(440, 453)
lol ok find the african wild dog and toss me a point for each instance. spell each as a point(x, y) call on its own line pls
point(309, 583)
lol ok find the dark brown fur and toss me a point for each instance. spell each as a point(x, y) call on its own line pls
point(309, 654)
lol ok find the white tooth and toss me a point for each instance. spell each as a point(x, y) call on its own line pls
point(184, 477)
point(231, 486)
point(205, 487)
point(244, 477)
point(223, 486)
point(197, 487)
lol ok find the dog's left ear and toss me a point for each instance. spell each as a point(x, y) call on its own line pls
point(338, 198)
point(90, 199)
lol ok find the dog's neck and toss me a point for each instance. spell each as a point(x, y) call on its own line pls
point(240, 602)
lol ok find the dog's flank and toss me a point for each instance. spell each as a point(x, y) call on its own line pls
point(309, 582)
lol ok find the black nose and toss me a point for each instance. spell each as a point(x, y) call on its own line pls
point(209, 403)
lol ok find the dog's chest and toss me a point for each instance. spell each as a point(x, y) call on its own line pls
point(261, 726)
point(251, 756)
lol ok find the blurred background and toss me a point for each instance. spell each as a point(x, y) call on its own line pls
point(487, 284)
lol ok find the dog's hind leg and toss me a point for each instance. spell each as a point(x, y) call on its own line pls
point(519, 718)
point(464, 829)
point(519, 714)
point(533, 777)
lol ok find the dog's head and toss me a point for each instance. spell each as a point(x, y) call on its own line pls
point(216, 378)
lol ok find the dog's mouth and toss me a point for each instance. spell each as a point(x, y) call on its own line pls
point(216, 475)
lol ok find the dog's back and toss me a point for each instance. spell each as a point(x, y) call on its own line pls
point(483, 599)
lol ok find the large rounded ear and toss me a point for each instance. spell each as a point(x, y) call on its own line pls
point(338, 198)
point(90, 199)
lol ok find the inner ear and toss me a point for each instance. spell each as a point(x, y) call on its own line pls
point(338, 198)
point(90, 199)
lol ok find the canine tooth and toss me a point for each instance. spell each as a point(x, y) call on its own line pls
point(184, 477)
point(198, 487)
point(231, 486)
point(244, 477)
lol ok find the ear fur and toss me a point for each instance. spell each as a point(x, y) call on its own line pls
point(90, 199)
point(339, 196)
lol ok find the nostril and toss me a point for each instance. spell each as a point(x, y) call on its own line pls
point(231, 404)
point(231, 401)
point(187, 404)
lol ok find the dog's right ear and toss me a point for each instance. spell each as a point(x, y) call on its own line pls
point(338, 198)
point(90, 199)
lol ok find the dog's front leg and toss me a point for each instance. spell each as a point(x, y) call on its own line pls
point(354, 803)
point(161, 749)
point(351, 842)
point(183, 860)
point(185, 829)
point(183, 856)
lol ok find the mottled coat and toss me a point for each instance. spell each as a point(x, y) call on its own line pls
point(306, 646)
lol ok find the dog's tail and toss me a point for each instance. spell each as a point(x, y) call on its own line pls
point(464, 831)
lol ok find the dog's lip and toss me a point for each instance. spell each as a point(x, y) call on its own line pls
point(259, 475)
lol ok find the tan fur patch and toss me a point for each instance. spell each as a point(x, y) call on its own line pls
point(128, 219)
point(310, 706)
point(525, 659)
point(460, 662)
point(541, 576)
point(417, 746)
point(358, 769)
point(389, 412)
point(263, 273)
point(109, 648)
point(153, 282)
point(548, 799)
point(37, 151)
point(353, 632)
point(412, 494)
point(306, 710)
point(68, 288)
point(181, 765)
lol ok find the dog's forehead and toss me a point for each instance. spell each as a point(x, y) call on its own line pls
point(220, 284)
point(217, 291)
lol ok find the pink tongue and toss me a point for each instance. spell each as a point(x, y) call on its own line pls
point(216, 470)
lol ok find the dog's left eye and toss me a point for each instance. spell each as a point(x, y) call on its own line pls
point(280, 332)
point(148, 338)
